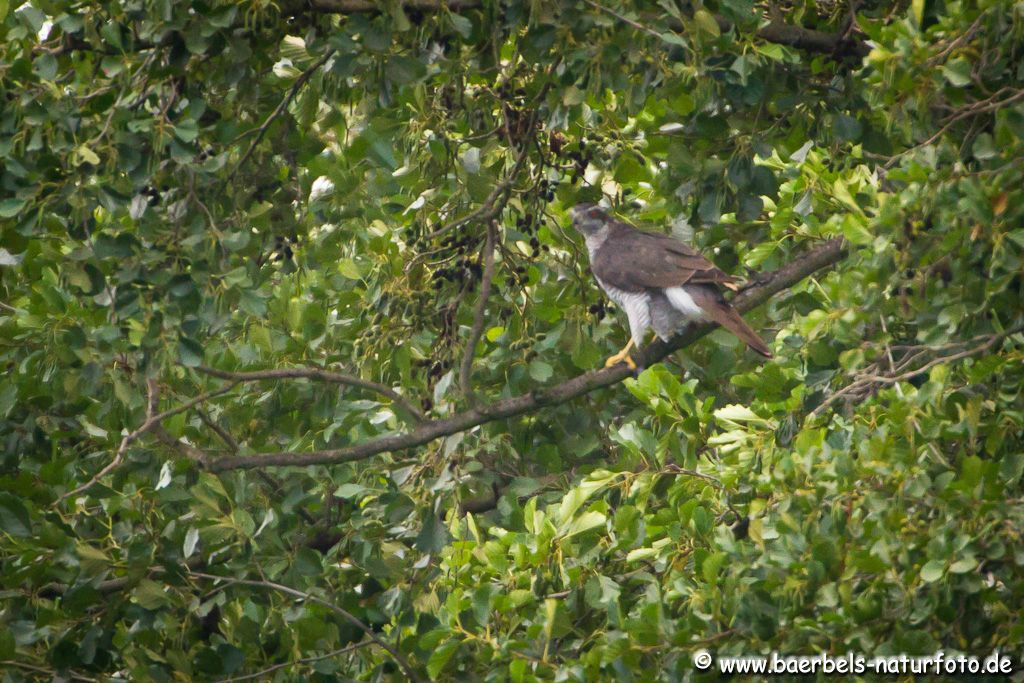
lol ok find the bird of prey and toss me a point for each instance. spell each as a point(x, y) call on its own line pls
point(657, 280)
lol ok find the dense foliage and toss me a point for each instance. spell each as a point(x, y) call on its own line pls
point(245, 247)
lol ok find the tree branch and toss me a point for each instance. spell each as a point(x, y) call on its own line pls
point(811, 40)
point(345, 614)
point(822, 256)
point(466, 370)
point(226, 437)
point(869, 381)
point(152, 420)
point(321, 375)
point(264, 674)
point(495, 202)
point(292, 92)
point(624, 19)
point(186, 449)
point(358, 6)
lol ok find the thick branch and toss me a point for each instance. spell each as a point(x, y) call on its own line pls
point(810, 40)
point(321, 375)
point(821, 257)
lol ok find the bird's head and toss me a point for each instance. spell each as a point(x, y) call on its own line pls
point(588, 218)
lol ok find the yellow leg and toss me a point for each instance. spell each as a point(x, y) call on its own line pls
point(622, 356)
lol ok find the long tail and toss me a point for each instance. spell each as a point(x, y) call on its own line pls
point(719, 310)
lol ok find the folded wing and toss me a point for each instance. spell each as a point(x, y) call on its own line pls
point(641, 260)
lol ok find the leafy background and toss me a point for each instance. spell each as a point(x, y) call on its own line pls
point(266, 269)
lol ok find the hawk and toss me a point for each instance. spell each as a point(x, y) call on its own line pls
point(657, 280)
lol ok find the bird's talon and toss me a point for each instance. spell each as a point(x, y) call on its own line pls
point(622, 357)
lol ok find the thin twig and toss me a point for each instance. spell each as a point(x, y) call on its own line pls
point(186, 449)
point(292, 92)
point(345, 614)
point(958, 41)
point(321, 375)
point(676, 469)
point(869, 380)
point(626, 20)
point(48, 672)
point(152, 420)
point(492, 205)
point(888, 354)
point(229, 440)
point(466, 370)
point(498, 198)
point(993, 340)
point(299, 662)
point(980, 107)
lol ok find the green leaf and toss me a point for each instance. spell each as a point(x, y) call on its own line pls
point(540, 371)
point(439, 657)
point(958, 72)
point(84, 154)
point(536, 43)
point(585, 522)
point(917, 10)
point(166, 475)
point(750, 208)
point(842, 193)
point(848, 128)
point(9, 208)
point(403, 70)
point(984, 147)
point(712, 566)
point(433, 535)
point(7, 642)
point(963, 566)
point(186, 131)
point(191, 541)
point(190, 353)
point(14, 517)
point(706, 22)
point(151, 595)
point(855, 230)
point(349, 269)
point(350, 491)
point(756, 256)
point(462, 25)
point(932, 571)
point(46, 67)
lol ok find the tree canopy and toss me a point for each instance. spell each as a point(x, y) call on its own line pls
point(303, 365)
